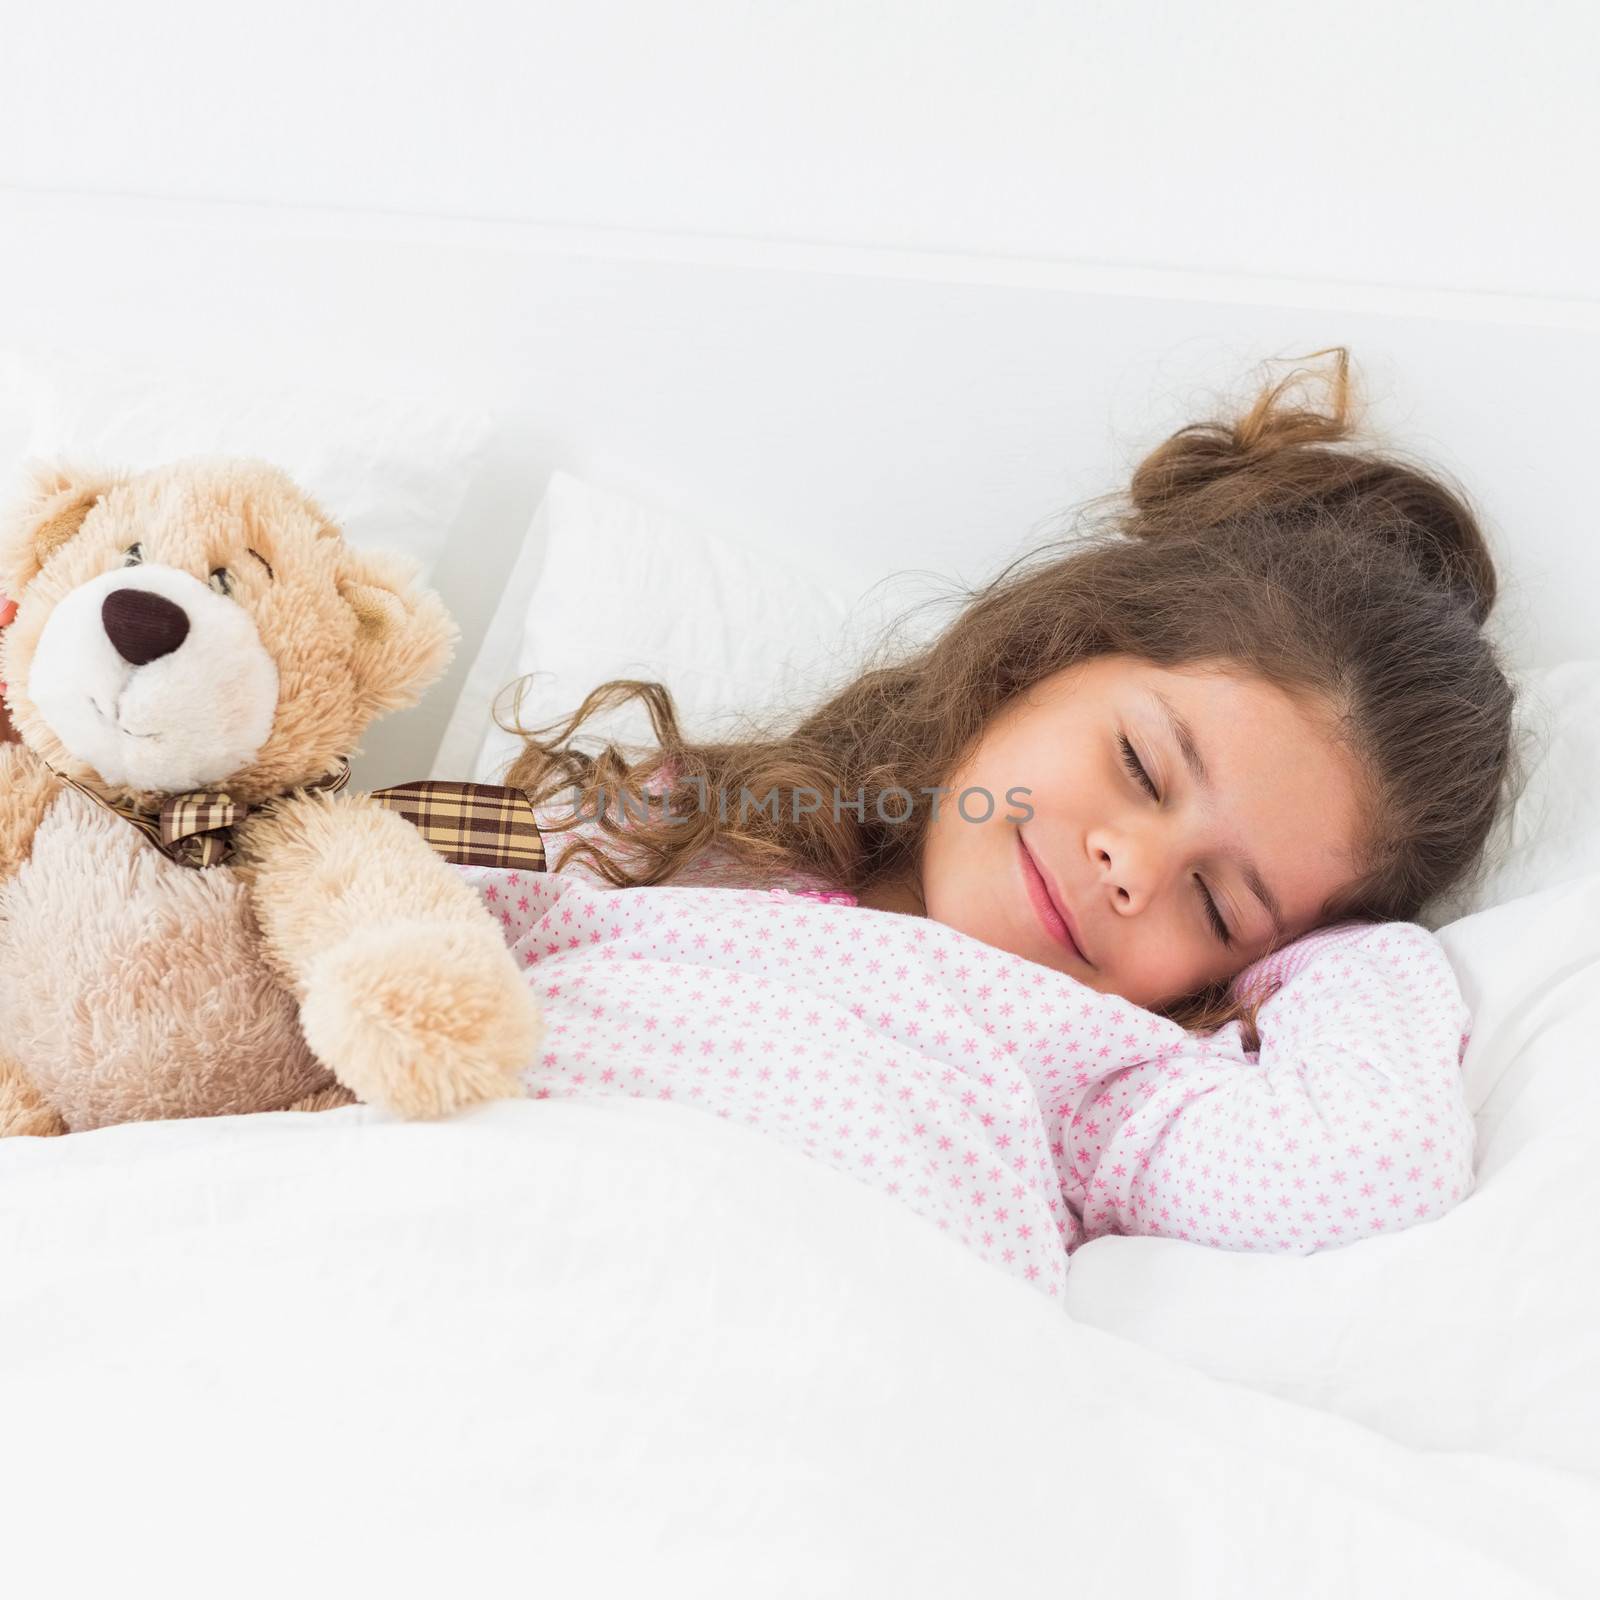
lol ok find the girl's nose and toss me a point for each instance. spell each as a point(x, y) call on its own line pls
point(1129, 870)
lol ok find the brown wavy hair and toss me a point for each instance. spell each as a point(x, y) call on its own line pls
point(1276, 541)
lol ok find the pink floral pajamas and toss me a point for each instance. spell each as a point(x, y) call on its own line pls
point(1014, 1108)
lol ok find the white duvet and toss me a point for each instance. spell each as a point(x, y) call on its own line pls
point(540, 1349)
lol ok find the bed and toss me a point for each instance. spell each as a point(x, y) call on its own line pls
point(535, 1344)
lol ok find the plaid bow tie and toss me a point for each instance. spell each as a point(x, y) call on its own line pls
point(469, 824)
point(196, 829)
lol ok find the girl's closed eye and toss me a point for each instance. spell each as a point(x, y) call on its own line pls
point(1136, 767)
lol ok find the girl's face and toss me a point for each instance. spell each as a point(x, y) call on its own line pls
point(1268, 832)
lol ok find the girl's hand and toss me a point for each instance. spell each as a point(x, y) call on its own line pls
point(8, 609)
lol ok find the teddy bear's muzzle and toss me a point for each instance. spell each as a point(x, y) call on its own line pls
point(143, 626)
point(153, 680)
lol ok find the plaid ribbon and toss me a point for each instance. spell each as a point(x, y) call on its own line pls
point(471, 824)
point(196, 829)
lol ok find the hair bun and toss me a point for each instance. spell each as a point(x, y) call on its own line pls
point(1286, 461)
point(1436, 527)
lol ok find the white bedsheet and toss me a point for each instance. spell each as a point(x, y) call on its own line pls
point(537, 1348)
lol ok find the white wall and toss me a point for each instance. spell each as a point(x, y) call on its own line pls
point(881, 285)
point(1445, 143)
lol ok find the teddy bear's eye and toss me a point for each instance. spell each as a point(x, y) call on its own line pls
point(133, 555)
point(222, 580)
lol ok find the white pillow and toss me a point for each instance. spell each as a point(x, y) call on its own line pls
point(15, 423)
point(607, 588)
point(393, 471)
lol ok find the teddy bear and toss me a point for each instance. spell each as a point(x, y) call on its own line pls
point(193, 645)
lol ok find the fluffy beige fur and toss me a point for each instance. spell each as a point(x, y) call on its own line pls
point(395, 969)
point(336, 954)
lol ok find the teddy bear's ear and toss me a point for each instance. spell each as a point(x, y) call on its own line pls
point(49, 509)
point(404, 635)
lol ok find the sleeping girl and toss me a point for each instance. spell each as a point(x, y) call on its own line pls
point(1097, 913)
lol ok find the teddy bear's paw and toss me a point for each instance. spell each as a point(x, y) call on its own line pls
point(424, 1018)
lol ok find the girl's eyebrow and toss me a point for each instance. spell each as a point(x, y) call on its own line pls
point(1183, 734)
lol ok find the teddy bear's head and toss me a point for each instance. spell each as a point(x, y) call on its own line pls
point(202, 625)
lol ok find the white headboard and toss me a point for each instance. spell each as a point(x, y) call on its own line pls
point(858, 409)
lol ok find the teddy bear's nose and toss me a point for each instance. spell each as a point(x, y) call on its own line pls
point(143, 626)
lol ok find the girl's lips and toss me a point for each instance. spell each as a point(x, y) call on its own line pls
point(1044, 905)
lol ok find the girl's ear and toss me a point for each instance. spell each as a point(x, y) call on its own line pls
point(50, 508)
point(404, 635)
